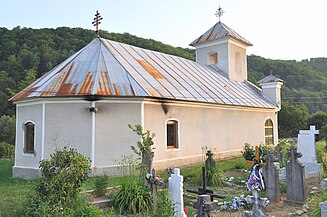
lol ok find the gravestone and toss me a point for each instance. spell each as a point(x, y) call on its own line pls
point(271, 178)
point(307, 146)
point(295, 180)
point(175, 191)
point(324, 184)
point(323, 208)
point(204, 205)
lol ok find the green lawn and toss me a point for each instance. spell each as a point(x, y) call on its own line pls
point(13, 191)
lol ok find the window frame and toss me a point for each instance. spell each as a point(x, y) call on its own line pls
point(213, 56)
point(238, 62)
point(176, 136)
point(269, 132)
point(27, 148)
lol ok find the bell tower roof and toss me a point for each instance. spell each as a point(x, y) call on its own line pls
point(219, 31)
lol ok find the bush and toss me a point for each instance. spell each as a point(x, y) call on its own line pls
point(7, 151)
point(57, 191)
point(8, 129)
point(248, 152)
point(100, 185)
point(133, 198)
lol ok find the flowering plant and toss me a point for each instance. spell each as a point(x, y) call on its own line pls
point(156, 180)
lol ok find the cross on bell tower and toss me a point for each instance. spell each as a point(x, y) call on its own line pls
point(219, 13)
point(96, 22)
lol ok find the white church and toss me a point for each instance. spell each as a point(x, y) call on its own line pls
point(88, 100)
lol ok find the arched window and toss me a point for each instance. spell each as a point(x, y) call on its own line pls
point(213, 58)
point(29, 134)
point(172, 134)
point(269, 132)
point(238, 62)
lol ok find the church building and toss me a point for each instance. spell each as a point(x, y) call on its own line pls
point(88, 101)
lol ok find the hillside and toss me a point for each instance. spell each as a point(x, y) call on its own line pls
point(26, 54)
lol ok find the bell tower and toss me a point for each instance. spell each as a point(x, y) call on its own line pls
point(223, 47)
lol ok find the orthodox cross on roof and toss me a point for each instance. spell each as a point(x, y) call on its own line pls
point(219, 12)
point(96, 22)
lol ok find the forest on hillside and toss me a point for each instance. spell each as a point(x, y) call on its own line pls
point(26, 54)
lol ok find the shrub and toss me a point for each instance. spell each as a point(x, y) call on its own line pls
point(57, 191)
point(7, 151)
point(8, 129)
point(133, 198)
point(248, 152)
point(143, 149)
point(100, 185)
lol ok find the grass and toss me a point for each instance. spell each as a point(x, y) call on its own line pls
point(13, 191)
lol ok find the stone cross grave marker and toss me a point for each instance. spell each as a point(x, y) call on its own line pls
point(295, 181)
point(255, 184)
point(307, 146)
point(175, 191)
point(271, 177)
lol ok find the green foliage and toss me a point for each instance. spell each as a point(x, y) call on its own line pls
point(315, 210)
point(7, 151)
point(214, 176)
point(166, 207)
point(319, 119)
point(7, 129)
point(291, 119)
point(100, 185)
point(133, 198)
point(57, 191)
point(143, 149)
point(248, 152)
point(282, 187)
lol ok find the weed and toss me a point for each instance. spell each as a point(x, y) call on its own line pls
point(100, 185)
point(133, 198)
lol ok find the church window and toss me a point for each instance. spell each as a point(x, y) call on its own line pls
point(172, 134)
point(213, 58)
point(238, 62)
point(29, 136)
point(269, 132)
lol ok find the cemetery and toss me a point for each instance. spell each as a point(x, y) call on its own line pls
point(248, 186)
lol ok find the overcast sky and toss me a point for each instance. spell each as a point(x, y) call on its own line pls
point(278, 29)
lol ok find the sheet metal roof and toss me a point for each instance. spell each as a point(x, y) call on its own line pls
point(270, 78)
point(108, 68)
point(218, 31)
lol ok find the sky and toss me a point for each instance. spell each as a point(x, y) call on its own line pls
point(278, 29)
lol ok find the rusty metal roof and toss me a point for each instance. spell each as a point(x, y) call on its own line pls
point(270, 78)
point(219, 31)
point(108, 68)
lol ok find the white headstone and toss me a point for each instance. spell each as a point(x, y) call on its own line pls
point(175, 191)
point(307, 147)
point(307, 144)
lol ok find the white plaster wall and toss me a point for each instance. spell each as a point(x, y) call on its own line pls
point(68, 123)
point(28, 113)
point(234, 75)
point(225, 130)
point(202, 55)
point(113, 136)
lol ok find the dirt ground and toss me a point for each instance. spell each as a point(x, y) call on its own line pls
point(280, 209)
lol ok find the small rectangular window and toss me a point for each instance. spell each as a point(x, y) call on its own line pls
point(29, 129)
point(172, 134)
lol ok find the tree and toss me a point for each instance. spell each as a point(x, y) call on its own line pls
point(7, 129)
point(291, 119)
point(319, 119)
